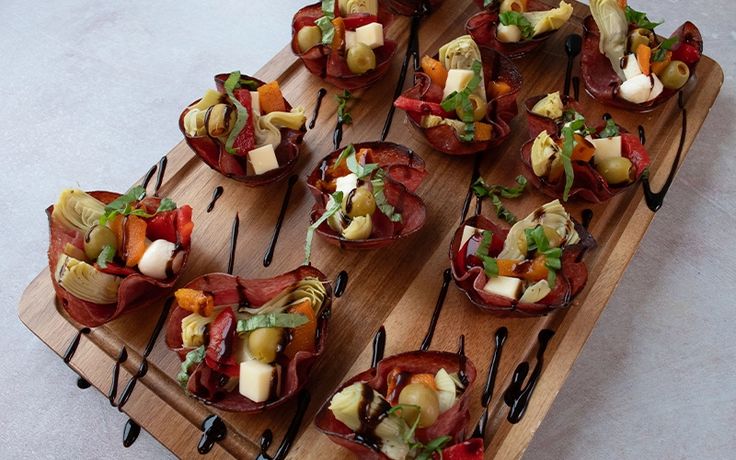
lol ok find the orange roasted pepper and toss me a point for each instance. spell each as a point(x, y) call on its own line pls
point(195, 301)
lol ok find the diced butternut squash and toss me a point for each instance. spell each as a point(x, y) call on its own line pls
point(338, 40)
point(583, 150)
point(644, 58)
point(436, 71)
point(135, 241)
point(659, 66)
point(303, 337)
point(195, 301)
point(530, 271)
point(270, 98)
point(426, 379)
point(498, 88)
point(483, 131)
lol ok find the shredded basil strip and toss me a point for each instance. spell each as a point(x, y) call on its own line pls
point(566, 156)
point(336, 203)
point(347, 151)
point(485, 243)
point(195, 356)
point(502, 211)
point(289, 320)
point(343, 116)
point(610, 130)
point(482, 189)
point(536, 240)
point(232, 83)
point(640, 19)
point(461, 100)
point(514, 18)
point(661, 51)
point(380, 196)
point(106, 256)
point(122, 205)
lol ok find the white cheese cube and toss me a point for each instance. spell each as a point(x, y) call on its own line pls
point(607, 147)
point(259, 380)
point(263, 159)
point(508, 34)
point(657, 87)
point(630, 66)
point(636, 89)
point(255, 102)
point(457, 80)
point(350, 39)
point(504, 286)
point(346, 184)
point(468, 233)
point(536, 292)
point(370, 34)
point(161, 260)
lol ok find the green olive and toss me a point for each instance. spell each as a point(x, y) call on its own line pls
point(616, 170)
point(638, 37)
point(419, 394)
point(96, 239)
point(265, 343)
point(308, 37)
point(675, 75)
point(480, 108)
point(359, 203)
point(361, 58)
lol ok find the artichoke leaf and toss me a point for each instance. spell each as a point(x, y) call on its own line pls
point(552, 215)
point(614, 28)
point(78, 210)
point(82, 280)
point(461, 53)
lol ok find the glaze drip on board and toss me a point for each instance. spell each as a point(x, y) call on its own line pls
point(130, 432)
point(73, 344)
point(233, 243)
point(160, 175)
point(341, 283)
point(379, 346)
point(517, 396)
point(113, 391)
point(268, 257)
point(216, 194)
point(469, 196)
point(149, 175)
point(573, 46)
point(446, 278)
point(320, 95)
point(214, 430)
point(302, 404)
point(485, 399)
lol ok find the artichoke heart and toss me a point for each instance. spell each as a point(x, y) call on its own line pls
point(550, 106)
point(430, 121)
point(457, 125)
point(359, 229)
point(78, 210)
point(545, 155)
point(614, 29)
point(536, 292)
point(82, 280)
point(550, 20)
point(193, 328)
point(358, 6)
point(267, 127)
point(460, 54)
point(446, 390)
point(552, 215)
point(309, 288)
point(347, 405)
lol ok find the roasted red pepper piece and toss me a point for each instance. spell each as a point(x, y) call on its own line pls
point(246, 139)
point(472, 449)
point(218, 356)
point(162, 226)
point(184, 225)
point(421, 107)
point(686, 53)
point(352, 22)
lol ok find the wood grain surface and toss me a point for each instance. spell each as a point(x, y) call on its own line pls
point(396, 286)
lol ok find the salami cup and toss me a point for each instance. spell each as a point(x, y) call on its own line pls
point(463, 76)
point(531, 269)
point(248, 345)
point(245, 129)
point(343, 42)
point(364, 195)
point(111, 253)
point(488, 29)
point(373, 413)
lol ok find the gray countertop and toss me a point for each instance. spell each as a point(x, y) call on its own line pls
point(90, 93)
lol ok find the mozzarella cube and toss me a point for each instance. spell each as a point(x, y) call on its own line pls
point(468, 233)
point(457, 80)
point(259, 381)
point(370, 34)
point(607, 147)
point(508, 34)
point(263, 159)
point(255, 102)
point(636, 89)
point(504, 286)
point(657, 87)
point(161, 260)
point(350, 39)
point(346, 184)
point(630, 66)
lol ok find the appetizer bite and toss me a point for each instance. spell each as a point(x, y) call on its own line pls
point(625, 64)
point(343, 41)
point(411, 7)
point(530, 269)
point(567, 158)
point(464, 99)
point(248, 345)
point(516, 27)
point(410, 406)
point(110, 253)
point(245, 129)
point(364, 195)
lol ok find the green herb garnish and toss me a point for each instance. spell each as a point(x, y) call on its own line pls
point(537, 241)
point(325, 22)
point(566, 155)
point(660, 52)
point(106, 256)
point(502, 211)
point(490, 266)
point(334, 207)
point(232, 83)
point(289, 320)
point(343, 116)
point(482, 189)
point(461, 101)
point(380, 197)
point(123, 205)
point(610, 130)
point(640, 19)
point(514, 18)
point(195, 356)
point(427, 451)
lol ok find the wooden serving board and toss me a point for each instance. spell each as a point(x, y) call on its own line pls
point(396, 286)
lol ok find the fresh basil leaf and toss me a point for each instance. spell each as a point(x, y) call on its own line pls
point(288, 320)
point(490, 266)
point(427, 451)
point(379, 195)
point(343, 116)
point(461, 100)
point(502, 211)
point(327, 28)
point(551, 278)
point(232, 82)
point(122, 204)
point(194, 357)
point(450, 102)
point(485, 243)
point(328, 8)
point(610, 130)
point(660, 52)
point(336, 203)
point(514, 18)
point(482, 189)
point(346, 152)
point(106, 256)
point(640, 19)
point(566, 156)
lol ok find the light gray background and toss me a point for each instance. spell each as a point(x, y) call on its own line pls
point(89, 95)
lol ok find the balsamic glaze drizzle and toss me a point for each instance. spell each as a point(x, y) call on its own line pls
point(587, 217)
point(412, 49)
point(607, 116)
point(379, 345)
point(320, 94)
point(82, 384)
point(130, 432)
point(233, 243)
point(573, 45)
point(73, 344)
point(642, 135)
point(268, 256)
point(214, 430)
point(160, 175)
point(446, 277)
point(216, 194)
point(113, 391)
point(516, 396)
point(337, 134)
point(148, 176)
point(656, 199)
point(478, 205)
point(473, 178)
point(341, 283)
point(576, 88)
point(291, 432)
point(462, 360)
point(265, 441)
point(485, 399)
